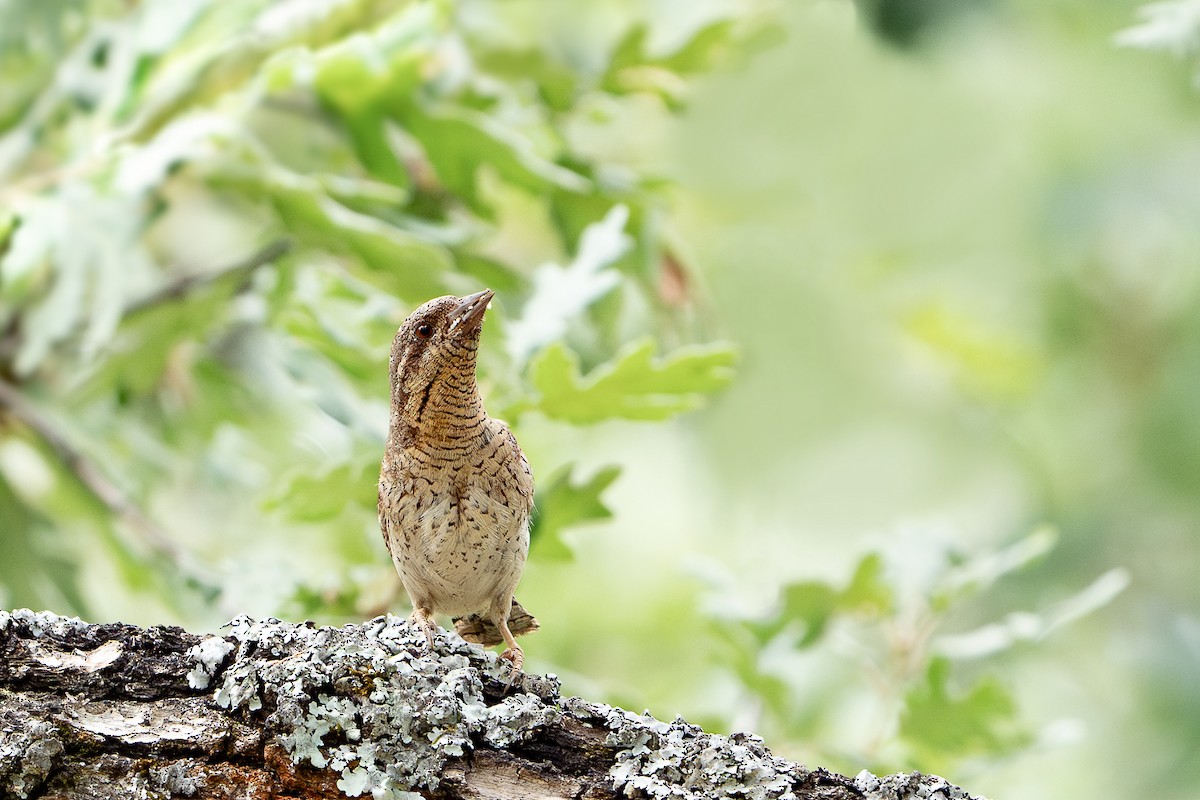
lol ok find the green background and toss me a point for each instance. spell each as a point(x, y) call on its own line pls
point(855, 346)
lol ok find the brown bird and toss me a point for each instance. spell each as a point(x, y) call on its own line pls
point(455, 490)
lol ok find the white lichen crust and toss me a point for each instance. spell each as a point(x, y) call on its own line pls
point(679, 760)
point(908, 786)
point(41, 623)
point(28, 750)
point(209, 654)
point(275, 709)
point(371, 702)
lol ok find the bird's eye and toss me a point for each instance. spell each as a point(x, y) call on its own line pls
point(424, 331)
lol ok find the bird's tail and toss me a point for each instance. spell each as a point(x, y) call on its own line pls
point(478, 629)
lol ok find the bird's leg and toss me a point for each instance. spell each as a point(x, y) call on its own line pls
point(422, 617)
point(513, 653)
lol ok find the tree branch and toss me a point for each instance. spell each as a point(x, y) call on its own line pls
point(13, 400)
point(188, 284)
point(275, 710)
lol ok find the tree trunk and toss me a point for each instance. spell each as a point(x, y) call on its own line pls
point(281, 710)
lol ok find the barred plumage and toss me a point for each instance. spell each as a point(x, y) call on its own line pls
point(455, 490)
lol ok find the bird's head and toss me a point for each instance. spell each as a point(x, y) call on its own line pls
point(434, 351)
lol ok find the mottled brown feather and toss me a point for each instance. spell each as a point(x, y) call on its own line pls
point(455, 490)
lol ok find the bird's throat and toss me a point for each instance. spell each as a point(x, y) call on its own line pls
point(440, 415)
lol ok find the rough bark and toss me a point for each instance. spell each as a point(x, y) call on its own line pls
point(276, 710)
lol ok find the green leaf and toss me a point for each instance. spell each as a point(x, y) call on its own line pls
point(1032, 626)
point(631, 50)
point(216, 58)
point(563, 503)
point(8, 223)
point(460, 141)
point(633, 69)
point(557, 83)
point(810, 602)
point(317, 498)
point(488, 272)
point(706, 46)
point(868, 592)
point(360, 79)
point(25, 267)
point(363, 195)
point(561, 293)
point(355, 75)
point(38, 567)
point(634, 385)
point(983, 570)
point(72, 288)
point(150, 336)
point(574, 213)
point(944, 724)
point(988, 363)
point(398, 261)
point(805, 609)
point(368, 134)
point(739, 647)
point(349, 356)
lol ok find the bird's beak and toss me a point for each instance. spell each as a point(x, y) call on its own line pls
point(469, 311)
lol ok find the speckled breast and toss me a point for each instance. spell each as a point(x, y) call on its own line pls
point(455, 546)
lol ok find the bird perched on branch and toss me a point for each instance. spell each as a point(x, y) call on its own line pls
point(455, 490)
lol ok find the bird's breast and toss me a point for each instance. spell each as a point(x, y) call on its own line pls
point(454, 538)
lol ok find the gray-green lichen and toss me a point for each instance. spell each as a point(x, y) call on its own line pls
point(908, 786)
point(28, 749)
point(173, 780)
point(679, 760)
point(370, 701)
point(374, 704)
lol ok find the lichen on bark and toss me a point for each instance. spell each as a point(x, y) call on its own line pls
point(274, 709)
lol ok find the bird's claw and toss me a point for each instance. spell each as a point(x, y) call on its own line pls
point(424, 621)
point(516, 659)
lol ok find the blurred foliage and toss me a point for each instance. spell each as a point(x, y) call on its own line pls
point(935, 687)
point(910, 23)
point(562, 503)
point(1172, 25)
point(855, 345)
point(632, 386)
point(215, 216)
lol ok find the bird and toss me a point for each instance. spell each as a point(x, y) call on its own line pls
point(455, 488)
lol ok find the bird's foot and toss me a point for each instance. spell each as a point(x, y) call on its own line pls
point(515, 656)
point(423, 619)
